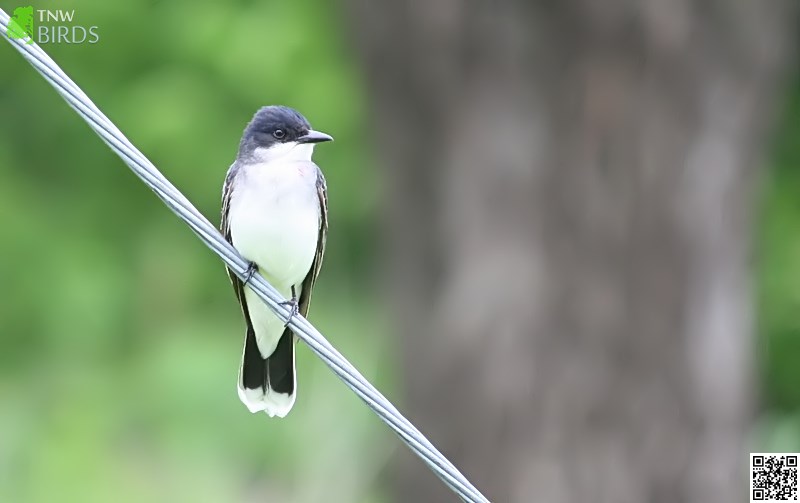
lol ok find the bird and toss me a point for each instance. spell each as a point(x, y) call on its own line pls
point(275, 213)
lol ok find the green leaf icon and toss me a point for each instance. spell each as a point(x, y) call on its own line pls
point(21, 24)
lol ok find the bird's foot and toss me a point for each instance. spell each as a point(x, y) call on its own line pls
point(252, 267)
point(294, 307)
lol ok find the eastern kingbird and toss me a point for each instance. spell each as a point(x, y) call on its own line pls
point(274, 212)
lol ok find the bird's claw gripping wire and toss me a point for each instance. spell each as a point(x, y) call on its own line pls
point(252, 267)
point(293, 305)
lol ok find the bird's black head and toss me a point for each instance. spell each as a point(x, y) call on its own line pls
point(277, 125)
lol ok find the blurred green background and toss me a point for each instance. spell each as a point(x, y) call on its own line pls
point(778, 257)
point(119, 334)
point(120, 337)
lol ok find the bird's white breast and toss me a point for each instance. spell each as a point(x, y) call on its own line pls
point(274, 218)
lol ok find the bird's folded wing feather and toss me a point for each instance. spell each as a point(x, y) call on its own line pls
point(225, 228)
point(311, 277)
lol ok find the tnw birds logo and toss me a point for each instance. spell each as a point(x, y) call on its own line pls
point(45, 26)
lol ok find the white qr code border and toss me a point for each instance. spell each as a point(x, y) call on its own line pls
point(766, 467)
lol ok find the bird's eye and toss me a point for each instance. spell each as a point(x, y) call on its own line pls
point(279, 134)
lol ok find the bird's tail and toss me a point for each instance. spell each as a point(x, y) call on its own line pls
point(268, 384)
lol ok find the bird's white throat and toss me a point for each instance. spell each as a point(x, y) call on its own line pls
point(285, 152)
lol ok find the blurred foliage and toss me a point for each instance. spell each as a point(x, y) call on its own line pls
point(120, 337)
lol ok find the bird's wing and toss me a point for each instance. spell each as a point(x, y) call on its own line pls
point(311, 277)
point(225, 228)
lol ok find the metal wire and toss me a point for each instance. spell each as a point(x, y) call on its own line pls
point(208, 233)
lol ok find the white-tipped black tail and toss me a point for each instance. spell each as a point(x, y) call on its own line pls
point(268, 384)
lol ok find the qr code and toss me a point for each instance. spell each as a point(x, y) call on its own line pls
point(773, 477)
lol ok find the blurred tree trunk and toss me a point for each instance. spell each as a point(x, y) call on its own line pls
point(570, 191)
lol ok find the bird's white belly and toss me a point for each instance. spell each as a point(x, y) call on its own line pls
point(275, 220)
point(282, 245)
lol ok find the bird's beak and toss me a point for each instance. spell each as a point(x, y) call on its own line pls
point(314, 137)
